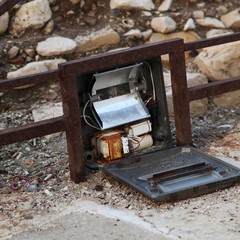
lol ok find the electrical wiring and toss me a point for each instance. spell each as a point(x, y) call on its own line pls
point(147, 101)
point(153, 85)
point(86, 116)
point(136, 140)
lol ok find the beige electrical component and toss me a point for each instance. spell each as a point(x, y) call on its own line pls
point(139, 128)
point(140, 143)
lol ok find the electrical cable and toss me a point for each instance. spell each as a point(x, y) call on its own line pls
point(86, 116)
point(153, 85)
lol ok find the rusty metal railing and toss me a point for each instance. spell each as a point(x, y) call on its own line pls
point(67, 73)
point(6, 5)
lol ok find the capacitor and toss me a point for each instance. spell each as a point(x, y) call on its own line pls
point(140, 142)
point(139, 128)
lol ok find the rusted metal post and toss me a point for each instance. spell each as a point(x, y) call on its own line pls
point(6, 5)
point(72, 124)
point(180, 95)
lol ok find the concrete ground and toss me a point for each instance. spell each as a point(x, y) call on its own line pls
point(88, 220)
point(207, 217)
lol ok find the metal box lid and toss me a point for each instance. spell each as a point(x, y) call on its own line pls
point(174, 174)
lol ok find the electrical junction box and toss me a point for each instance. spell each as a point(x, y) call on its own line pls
point(126, 133)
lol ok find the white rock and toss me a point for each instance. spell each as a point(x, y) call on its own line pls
point(165, 5)
point(33, 14)
point(49, 27)
point(146, 14)
point(189, 25)
point(227, 99)
point(199, 14)
point(13, 51)
point(105, 36)
point(220, 62)
point(193, 79)
point(210, 22)
point(217, 32)
point(47, 111)
point(128, 23)
point(232, 19)
point(201, 5)
point(163, 24)
point(147, 34)
point(133, 33)
point(188, 36)
point(131, 4)
point(222, 9)
point(4, 20)
point(36, 67)
point(55, 46)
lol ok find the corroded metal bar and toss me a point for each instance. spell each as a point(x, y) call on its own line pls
point(31, 130)
point(119, 58)
point(213, 41)
point(214, 88)
point(6, 5)
point(68, 75)
point(72, 122)
point(180, 95)
point(28, 80)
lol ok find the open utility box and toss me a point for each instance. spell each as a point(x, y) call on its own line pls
point(126, 133)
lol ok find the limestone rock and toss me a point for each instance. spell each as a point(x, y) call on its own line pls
point(165, 5)
point(36, 67)
point(232, 19)
point(49, 27)
point(222, 9)
point(189, 25)
point(47, 111)
point(4, 20)
point(193, 79)
point(13, 51)
point(217, 32)
point(186, 36)
point(133, 33)
point(227, 99)
point(128, 23)
point(163, 24)
point(131, 4)
point(198, 14)
point(55, 46)
point(33, 14)
point(210, 22)
point(105, 36)
point(147, 34)
point(218, 63)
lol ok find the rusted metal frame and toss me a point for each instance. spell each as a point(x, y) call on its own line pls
point(214, 88)
point(181, 108)
point(6, 5)
point(68, 75)
point(72, 123)
point(31, 130)
point(213, 41)
point(119, 58)
point(180, 95)
point(28, 80)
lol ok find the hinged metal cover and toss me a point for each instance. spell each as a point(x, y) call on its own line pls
point(174, 174)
